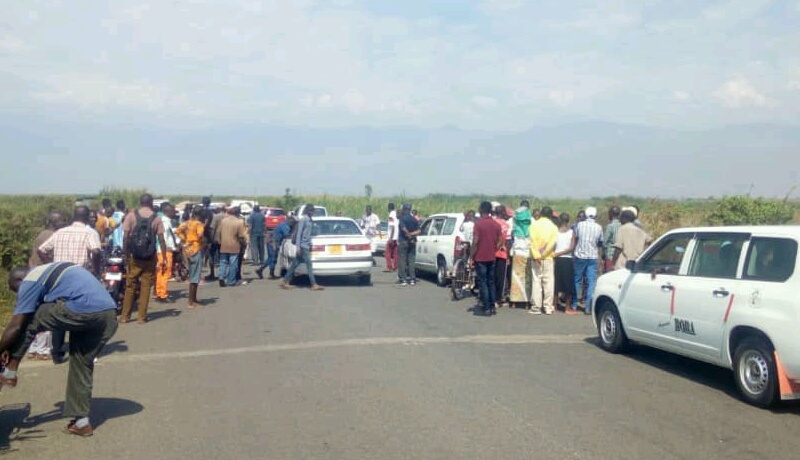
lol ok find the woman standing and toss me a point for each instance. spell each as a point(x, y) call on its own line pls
point(192, 233)
point(501, 255)
point(565, 271)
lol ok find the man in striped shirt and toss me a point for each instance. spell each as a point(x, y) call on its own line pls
point(587, 241)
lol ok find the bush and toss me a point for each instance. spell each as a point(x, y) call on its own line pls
point(744, 210)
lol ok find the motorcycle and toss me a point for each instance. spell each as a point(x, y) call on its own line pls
point(114, 276)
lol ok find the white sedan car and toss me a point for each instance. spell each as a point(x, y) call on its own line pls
point(339, 248)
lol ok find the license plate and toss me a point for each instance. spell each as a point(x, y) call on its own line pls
point(336, 250)
point(114, 276)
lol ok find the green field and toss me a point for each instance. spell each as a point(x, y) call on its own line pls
point(22, 216)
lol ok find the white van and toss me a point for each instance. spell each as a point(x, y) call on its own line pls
point(437, 245)
point(724, 295)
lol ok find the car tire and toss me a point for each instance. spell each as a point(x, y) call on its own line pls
point(609, 330)
point(755, 372)
point(441, 272)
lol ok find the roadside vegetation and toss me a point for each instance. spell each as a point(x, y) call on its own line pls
point(22, 217)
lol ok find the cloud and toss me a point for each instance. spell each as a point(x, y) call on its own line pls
point(485, 102)
point(739, 93)
point(681, 96)
point(359, 62)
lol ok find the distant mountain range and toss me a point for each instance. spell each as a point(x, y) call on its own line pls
point(577, 160)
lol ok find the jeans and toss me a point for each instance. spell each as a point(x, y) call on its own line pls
point(89, 333)
point(303, 257)
point(257, 249)
point(406, 260)
point(485, 272)
point(272, 257)
point(228, 266)
point(587, 267)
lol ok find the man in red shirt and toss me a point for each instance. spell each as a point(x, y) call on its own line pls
point(487, 239)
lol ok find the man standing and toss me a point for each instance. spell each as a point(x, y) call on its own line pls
point(303, 242)
point(543, 237)
point(630, 242)
point(232, 235)
point(118, 234)
point(212, 240)
point(256, 224)
point(60, 297)
point(281, 232)
point(55, 221)
point(370, 223)
point(390, 253)
point(407, 247)
point(164, 271)
point(586, 241)
point(610, 237)
point(142, 228)
point(487, 238)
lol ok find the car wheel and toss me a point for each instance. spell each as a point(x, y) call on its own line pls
point(609, 329)
point(755, 372)
point(441, 272)
point(365, 280)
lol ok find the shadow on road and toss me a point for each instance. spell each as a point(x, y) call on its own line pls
point(169, 313)
point(103, 409)
point(114, 347)
point(11, 418)
point(714, 377)
point(301, 281)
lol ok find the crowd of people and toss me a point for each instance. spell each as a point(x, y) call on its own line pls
point(541, 258)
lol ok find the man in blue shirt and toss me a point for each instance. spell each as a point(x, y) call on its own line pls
point(407, 247)
point(60, 297)
point(274, 243)
point(256, 223)
point(303, 242)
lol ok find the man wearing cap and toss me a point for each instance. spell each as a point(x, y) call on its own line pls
point(587, 241)
point(407, 247)
point(303, 242)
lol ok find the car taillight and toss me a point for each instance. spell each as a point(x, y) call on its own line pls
point(113, 268)
point(318, 248)
point(457, 248)
point(358, 247)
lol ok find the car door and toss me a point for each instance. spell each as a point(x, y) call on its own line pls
point(768, 297)
point(423, 241)
point(436, 239)
point(648, 294)
point(707, 293)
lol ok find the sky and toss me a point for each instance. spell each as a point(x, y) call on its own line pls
point(496, 66)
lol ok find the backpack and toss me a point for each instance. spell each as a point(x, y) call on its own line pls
point(143, 240)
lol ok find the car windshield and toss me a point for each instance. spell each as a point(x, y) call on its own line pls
point(335, 227)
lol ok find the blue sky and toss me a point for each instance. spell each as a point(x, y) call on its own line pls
point(494, 65)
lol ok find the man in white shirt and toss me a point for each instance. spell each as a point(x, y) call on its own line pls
point(390, 253)
point(370, 222)
point(164, 272)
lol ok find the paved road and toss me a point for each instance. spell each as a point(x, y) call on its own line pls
point(384, 372)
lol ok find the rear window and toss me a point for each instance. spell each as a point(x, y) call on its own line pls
point(335, 227)
point(771, 259)
point(319, 212)
point(275, 213)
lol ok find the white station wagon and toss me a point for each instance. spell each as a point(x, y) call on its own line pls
point(724, 295)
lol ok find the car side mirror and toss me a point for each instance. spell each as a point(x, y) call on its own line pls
point(631, 265)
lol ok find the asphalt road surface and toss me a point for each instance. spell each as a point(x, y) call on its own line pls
point(384, 372)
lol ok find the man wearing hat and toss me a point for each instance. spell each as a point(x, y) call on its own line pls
point(587, 241)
